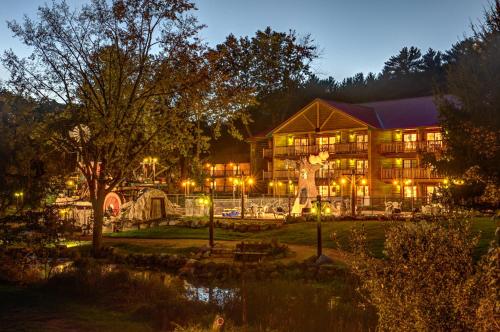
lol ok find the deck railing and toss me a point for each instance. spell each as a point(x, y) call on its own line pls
point(408, 173)
point(321, 174)
point(267, 152)
point(306, 150)
point(409, 147)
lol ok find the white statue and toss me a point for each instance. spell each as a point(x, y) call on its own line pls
point(306, 189)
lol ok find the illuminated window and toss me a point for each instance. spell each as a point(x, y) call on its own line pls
point(362, 164)
point(362, 191)
point(437, 136)
point(431, 190)
point(410, 137)
point(361, 142)
point(410, 141)
point(409, 163)
point(362, 138)
point(301, 145)
point(434, 141)
point(410, 191)
point(300, 141)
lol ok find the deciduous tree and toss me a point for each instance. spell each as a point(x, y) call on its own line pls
point(131, 77)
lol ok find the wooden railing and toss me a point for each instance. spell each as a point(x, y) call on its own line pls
point(267, 174)
point(226, 172)
point(321, 174)
point(337, 173)
point(306, 150)
point(282, 174)
point(408, 147)
point(408, 173)
point(267, 153)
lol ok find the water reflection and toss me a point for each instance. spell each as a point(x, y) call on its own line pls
point(281, 305)
point(274, 305)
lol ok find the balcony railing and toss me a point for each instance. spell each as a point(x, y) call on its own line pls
point(321, 174)
point(409, 147)
point(282, 174)
point(267, 153)
point(337, 173)
point(408, 173)
point(306, 150)
point(226, 173)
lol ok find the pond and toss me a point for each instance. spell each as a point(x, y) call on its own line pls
point(282, 305)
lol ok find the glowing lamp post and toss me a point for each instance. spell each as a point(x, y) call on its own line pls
point(353, 180)
point(186, 184)
point(243, 181)
point(70, 184)
point(19, 197)
point(211, 211)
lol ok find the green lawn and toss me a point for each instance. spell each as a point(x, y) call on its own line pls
point(302, 234)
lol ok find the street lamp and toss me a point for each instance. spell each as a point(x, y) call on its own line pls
point(211, 211)
point(242, 181)
point(186, 184)
point(19, 197)
point(319, 240)
point(353, 180)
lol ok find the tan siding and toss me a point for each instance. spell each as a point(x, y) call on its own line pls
point(324, 113)
point(340, 121)
point(298, 125)
point(311, 115)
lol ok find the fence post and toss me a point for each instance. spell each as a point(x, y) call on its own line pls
point(320, 244)
point(211, 217)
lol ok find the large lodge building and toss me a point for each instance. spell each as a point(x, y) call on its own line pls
point(383, 143)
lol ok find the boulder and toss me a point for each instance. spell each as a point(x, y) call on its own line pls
point(323, 259)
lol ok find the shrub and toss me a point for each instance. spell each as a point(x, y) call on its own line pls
point(427, 281)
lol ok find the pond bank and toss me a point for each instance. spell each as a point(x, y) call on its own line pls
point(92, 297)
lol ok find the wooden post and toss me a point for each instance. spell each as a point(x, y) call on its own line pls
point(320, 244)
point(353, 192)
point(211, 216)
point(242, 197)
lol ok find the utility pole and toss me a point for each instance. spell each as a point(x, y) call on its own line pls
point(242, 180)
point(320, 243)
point(211, 211)
point(353, 192)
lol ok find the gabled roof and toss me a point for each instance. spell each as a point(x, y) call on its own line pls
point(406, 113)
point(360, 112)
point(388, 114)
point(318, 112)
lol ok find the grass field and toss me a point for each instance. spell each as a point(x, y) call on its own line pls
point(303, 234)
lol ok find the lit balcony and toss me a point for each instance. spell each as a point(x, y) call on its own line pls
point(267, 153)
point(306, 150)
point(321, 174)
point(340, 172)
point(281, 174)
point(408, 173)
point(411, 147)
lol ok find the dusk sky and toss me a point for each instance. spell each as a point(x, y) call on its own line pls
point(353, 35)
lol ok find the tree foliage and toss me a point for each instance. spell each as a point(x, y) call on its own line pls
point(408, 61)
point(472, 123)
point(132, 78)
point(274, 65)
point(27, 164)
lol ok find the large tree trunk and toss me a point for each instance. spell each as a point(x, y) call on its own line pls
point(97, 205)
